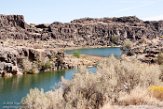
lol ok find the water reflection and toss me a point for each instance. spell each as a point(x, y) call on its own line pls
point(103, 52)
point(15, 88)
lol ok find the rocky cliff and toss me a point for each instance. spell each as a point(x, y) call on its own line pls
point(21, 60)
point(85, 32)
point(30, 51)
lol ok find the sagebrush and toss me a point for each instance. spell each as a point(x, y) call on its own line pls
point(114, 83)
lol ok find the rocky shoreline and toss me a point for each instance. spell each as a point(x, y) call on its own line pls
point(30, 48)
point(146, 52)
point(23, 60)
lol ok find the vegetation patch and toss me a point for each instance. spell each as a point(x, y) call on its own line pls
point(76, 54)
point(157, 92)
point(114, 39)
point(127, 44)
point(116, 82)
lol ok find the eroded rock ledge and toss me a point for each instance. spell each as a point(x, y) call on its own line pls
point(21, 60)
point(31, 48)
point(81, 32)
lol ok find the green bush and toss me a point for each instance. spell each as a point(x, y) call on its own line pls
point(77, 54)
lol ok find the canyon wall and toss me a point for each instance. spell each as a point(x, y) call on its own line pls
point(86, 31)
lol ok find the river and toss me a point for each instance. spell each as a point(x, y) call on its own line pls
point(13, 89)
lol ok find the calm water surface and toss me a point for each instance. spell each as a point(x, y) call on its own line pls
point(13, 89)
point(103, 52)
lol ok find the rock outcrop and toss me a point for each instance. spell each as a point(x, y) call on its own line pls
point(148, 52)
point(81, 32)
point(20, 60)
point(8, 61)
point(22, 57)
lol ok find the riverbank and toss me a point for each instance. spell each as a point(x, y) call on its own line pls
point(146, 51)
point(22, 60)
point(23, 56)
point(29, 48)
point(117, 84)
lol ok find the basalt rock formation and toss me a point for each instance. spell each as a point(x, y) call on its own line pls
point(20, 60)
point(81, 32)
point(15, 59)
point(148, 53)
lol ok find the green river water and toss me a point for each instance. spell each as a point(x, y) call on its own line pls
point(13, 89)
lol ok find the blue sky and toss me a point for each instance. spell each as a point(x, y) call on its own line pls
point(48, 11)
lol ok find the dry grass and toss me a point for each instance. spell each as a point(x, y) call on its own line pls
point(116, 82)
point(139, 96)
point(157, 92)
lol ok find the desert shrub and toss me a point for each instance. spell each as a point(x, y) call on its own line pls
point(26, 65)
point(48, 65)
point(29, 67)
point(156, 91)
point(45, 65)
point(139, 96)
point(127, 44)
point(160, 58)
point(94, 90)
point(114, 39)
point(33, 70)
point(43, 100)
point(77, 54)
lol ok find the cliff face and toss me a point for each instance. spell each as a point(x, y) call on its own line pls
point(21, 60)
point(85, 31)
point(12, 21)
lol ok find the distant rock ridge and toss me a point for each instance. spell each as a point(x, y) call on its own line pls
point(83, 32)
point(12, 21)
